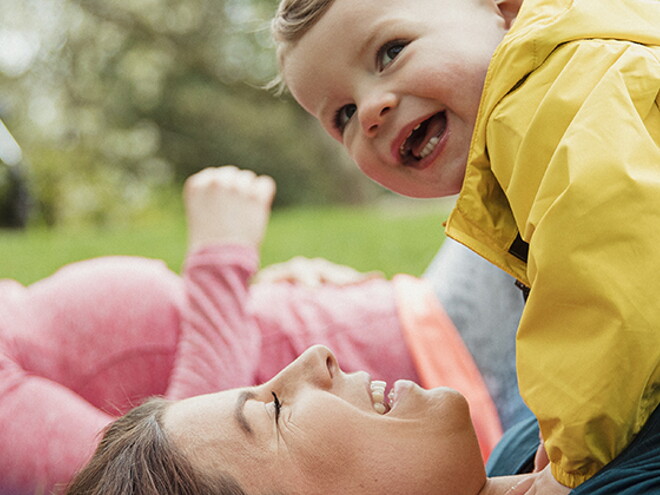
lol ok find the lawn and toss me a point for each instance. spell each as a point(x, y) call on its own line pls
point(398, 237)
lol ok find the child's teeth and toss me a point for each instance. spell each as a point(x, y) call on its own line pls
point(380, 408)
point(378, 395)
point(430, 146)
point(402, 148)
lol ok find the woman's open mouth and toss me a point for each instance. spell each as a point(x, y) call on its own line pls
point(423, 139)
point(378, 398)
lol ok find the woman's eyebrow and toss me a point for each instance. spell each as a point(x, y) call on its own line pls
point(239, 411)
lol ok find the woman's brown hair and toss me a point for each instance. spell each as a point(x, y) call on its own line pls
point(135, 457)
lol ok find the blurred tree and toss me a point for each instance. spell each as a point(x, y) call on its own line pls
point(15, 198)
point(114, 98)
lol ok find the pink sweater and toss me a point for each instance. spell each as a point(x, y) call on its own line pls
point(88, 343)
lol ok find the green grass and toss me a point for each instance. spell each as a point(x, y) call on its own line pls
point(397, 238)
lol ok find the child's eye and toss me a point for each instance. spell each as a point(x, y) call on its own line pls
point(388, 52)
point(343, 115)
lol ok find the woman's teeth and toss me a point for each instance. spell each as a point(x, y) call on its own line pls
point(378, 396)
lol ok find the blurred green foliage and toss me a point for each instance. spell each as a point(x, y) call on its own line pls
point(116, 100)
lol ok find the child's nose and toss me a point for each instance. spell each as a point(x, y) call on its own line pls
point(374, 111)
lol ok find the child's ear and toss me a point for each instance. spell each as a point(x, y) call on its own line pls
point(509, 10)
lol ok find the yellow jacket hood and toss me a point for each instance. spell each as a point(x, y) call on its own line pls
point(540, 28)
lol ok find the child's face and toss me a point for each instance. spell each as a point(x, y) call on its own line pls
point(399, 84)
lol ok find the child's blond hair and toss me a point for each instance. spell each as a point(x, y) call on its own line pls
point(295, 17)
point(292, 20)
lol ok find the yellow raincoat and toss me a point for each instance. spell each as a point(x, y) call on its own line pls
point(566, 157)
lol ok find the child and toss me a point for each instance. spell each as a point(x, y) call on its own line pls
point(544, 115)
point(99, 336)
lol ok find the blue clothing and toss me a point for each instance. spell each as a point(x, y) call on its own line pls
point(636, 471)
point(485, 306)
point(514, 454)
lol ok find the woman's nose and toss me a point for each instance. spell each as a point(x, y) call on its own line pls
point(317, 366)
point(374, 111)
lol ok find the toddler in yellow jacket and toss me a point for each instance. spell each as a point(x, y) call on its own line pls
point(543, 116)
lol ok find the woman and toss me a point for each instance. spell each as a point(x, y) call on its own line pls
point(312, 429)
point(85, 345)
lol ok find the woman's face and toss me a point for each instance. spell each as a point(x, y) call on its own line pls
point(327, 436)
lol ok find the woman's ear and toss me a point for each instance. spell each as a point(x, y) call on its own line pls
point(509, 10)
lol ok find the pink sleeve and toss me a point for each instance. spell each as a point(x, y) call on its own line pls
point(359, 322)
point(102, 335)
point(220, 343)
point(46, 434)
point(76, 348)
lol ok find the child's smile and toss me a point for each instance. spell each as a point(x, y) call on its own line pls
point(399, 84)
point(423, 140)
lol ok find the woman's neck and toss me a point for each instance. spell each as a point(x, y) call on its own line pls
point(508, 485)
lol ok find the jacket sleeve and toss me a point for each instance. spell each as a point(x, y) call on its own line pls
point(589, 340)
point(220, 342)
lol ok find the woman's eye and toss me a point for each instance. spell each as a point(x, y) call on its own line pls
point(277, 405)
point(343, 115)
point(388, 52)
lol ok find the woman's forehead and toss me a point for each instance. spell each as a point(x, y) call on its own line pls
point(226, 432)
point(195, 418)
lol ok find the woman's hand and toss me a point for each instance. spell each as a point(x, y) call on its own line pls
point(508, 485)
point(226, 205)
point(546, 484)
point(540, 483)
